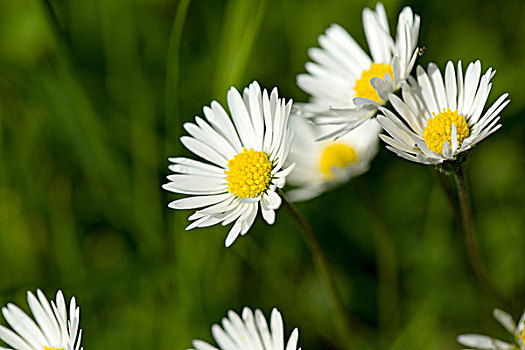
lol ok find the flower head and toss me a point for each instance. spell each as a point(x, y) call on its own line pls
point(346, 85)
point(53, 329)
point(250, 332)
point(243, 161)
point(441, 118)
point(477, 341)
point(322, 165)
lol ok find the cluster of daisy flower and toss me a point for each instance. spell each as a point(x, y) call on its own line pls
point(246, 156)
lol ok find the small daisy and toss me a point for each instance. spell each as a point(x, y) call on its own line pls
point(477, 341)
point(244, 157)
point(441, 118)
point(345, 84)
point(53, 330)
point(322, 165)
point(250, 332)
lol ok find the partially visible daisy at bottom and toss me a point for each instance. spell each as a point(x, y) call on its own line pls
point(478, 341)
point(323, 165)
point(250, 332)
point(243, 161)
point(54, 329)
point(439, 119)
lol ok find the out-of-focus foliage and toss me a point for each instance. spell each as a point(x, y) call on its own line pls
point(93, 95)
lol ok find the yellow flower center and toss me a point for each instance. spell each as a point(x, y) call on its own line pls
point(46, 348)
point(438, 130)
point(363, 88)
point(248, 174)
point(336, 155)
point(522, 338)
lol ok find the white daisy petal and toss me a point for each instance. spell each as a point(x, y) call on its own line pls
point(481, 98)
point(249, 218)
point(204, 151)
point(48, 331)
point(483, 342)
point(241, 118)
point(451, 86)
point(220, 120)
point(277, 330)
point(377, 33)
point(23, 325)
point(12, 339)
point(243, 158)
point(505, 320)
point(200, 345)
point(191, 166)
point(454, 138)
point(438, 86)
point(233, 234)
point(194, 184)
point(427, 91)
point(253, 94)
point(294, 339)
point(205, 221)
point(213, 138)
point(222, 338)
point(264, 332)
point(460, 86)
point(273, 200)
point(471, 85)
point(347, 43)
point(267, 212)
point(250, 333)
point(198, 201)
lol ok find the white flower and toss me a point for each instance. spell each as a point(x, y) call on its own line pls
point(244, 161)
point(441, 119)
point(345, 84)
point(53, 330)
point(250, 333)
point(477, 341)
point(321, 165)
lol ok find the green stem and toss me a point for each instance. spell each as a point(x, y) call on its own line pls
point(469, 237)
point(321, 265)
point(445, 186)
point(172, 121)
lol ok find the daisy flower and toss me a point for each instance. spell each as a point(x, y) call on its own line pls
point(243, 161)
point(250, 332)
point(53, 330)
point(345, 84)
point(322, 165)
point(441, 118)
point(477, 341)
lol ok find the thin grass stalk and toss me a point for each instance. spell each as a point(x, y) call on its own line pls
point(469, 238)
point(321, 265)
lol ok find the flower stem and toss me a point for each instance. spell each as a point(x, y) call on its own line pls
point(469, 237)
point(321, 265)
point(443, 180)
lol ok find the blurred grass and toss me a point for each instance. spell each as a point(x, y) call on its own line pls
point(92, 99)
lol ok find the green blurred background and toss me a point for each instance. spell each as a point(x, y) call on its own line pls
point(92, 98)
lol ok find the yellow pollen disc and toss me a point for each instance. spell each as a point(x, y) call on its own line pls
point(522, 337)
point(248, 174)
point(438, 130)
point(46, 348)
point(336, 155)
point(363, 88)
